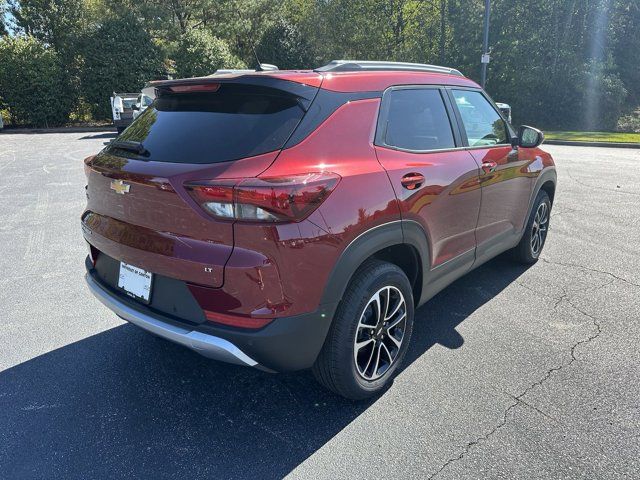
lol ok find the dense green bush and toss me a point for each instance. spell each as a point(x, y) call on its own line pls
point(284, 45)
point(604, 100)
point(630, 122)
point(199, 54)
point(33, 82)
point(118, 55)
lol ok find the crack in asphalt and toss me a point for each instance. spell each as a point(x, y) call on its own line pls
point(616, 190)
point(590, 269)
point(540, 411)
point(525, 286)
point(517, 399)
point(559, 211)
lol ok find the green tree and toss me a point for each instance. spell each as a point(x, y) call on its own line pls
point(560, 74)
point(199, 54)
point(241, 23)
point(285, 46)
point(625, 42)
point(55, 22)
point(401, 30)
point(164, 20)
point(604, 98)
point(559, 63)
point(58, 24)
point(32, 82)
point(4, 30)
point(118, 55)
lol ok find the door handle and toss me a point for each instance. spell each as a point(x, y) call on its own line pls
point(489, 167)
point(411, 181)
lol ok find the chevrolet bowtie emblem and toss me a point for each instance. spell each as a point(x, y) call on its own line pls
point(120, 187)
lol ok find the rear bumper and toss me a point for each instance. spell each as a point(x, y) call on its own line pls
point(207, 345)
point(286, 344)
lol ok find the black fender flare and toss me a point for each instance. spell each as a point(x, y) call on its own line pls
point(416, 236)
point(548, 174)
point(365, 245)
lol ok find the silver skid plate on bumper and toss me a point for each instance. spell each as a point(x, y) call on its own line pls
point(202, 343)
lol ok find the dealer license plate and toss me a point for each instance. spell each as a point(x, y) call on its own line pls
point(135, 281)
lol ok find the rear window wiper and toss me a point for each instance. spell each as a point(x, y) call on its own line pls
point(135, 147)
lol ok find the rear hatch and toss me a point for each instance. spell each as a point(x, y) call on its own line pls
point(138, 209)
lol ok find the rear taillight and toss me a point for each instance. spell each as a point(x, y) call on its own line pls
point(264, 199)
point(216, 198)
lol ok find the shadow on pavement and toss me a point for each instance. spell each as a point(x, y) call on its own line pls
point(125, 404)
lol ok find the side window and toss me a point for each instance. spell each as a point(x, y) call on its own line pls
point(483, 124)
point(417, 120)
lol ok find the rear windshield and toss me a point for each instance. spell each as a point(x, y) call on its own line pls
point(235, 122)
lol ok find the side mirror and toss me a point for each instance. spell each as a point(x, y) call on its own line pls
point(529, 137)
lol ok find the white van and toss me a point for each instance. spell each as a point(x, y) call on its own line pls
point(122, 109)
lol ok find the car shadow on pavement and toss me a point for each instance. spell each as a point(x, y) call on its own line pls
point(437, 319)
point(123, 403)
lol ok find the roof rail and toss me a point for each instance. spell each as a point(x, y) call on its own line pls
point(368, 65)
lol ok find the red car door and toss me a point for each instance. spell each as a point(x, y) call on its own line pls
point(505, 177)
point(435, 181)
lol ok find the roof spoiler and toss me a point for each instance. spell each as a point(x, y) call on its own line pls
point(211, 83)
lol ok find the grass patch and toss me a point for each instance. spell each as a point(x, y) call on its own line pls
point(617, 137)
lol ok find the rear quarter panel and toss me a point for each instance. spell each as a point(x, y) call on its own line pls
point(303, 255)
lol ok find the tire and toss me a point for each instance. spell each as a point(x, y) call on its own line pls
point(356, 377)
point(529, 249)
point(120, 130)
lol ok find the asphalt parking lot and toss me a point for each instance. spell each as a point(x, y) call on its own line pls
point(513, 372)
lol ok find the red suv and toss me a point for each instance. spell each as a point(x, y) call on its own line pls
point(296, 219)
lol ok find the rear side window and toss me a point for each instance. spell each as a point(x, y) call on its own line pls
point(237, 121)
point(417, 120)
point(484, 126)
